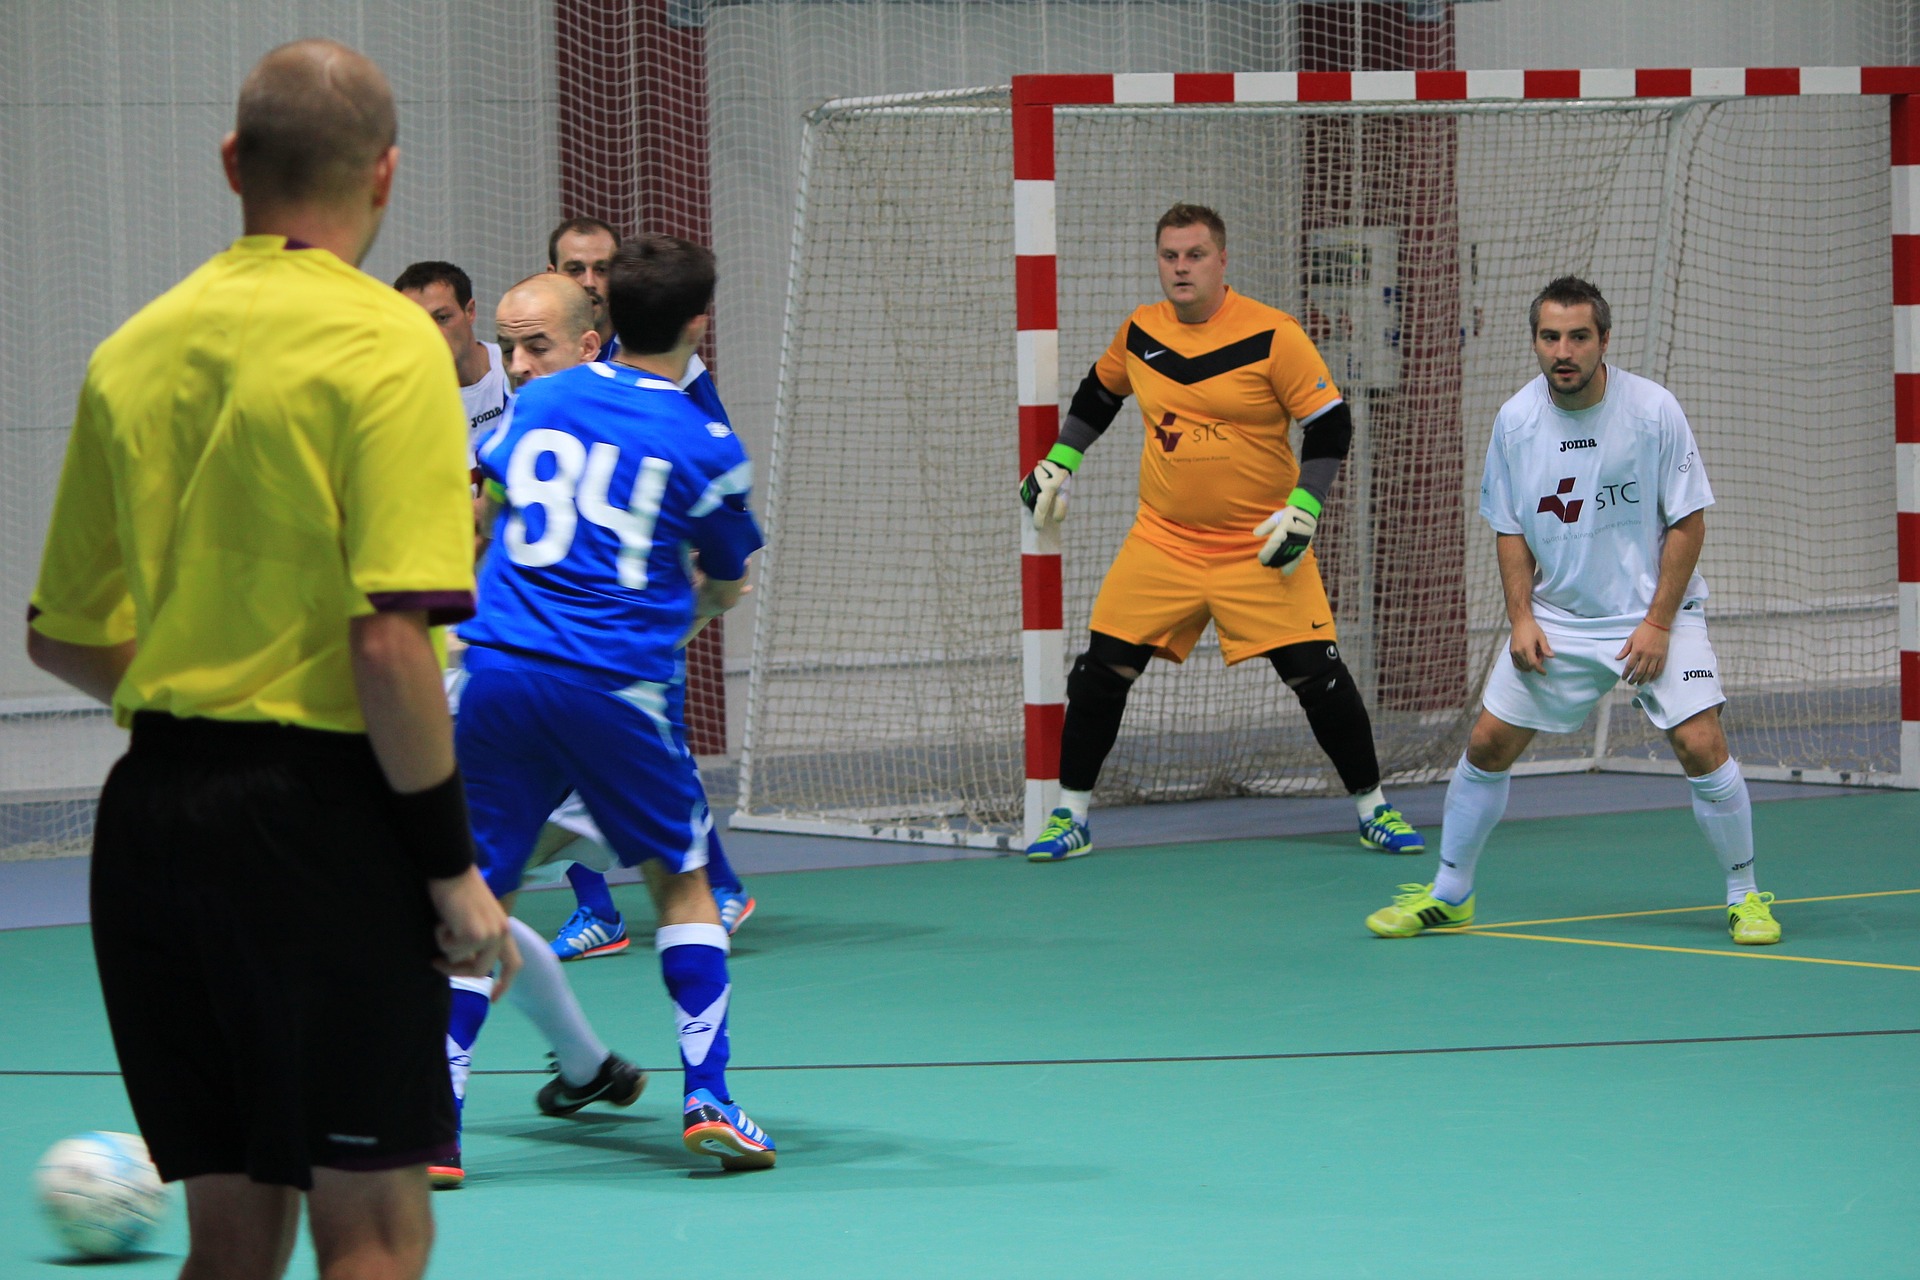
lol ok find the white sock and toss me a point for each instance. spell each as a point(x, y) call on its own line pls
point(1725, 815)
point(1367, 801)
point(1476, 801)
point(541, 992)
point(1076, 803)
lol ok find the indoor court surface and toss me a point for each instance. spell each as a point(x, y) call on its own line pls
point(1190, 1060)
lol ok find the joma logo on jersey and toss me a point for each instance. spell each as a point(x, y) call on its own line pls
point(1577, 444)
point(1169, 440)
point(1566, 512)
point(1695, 675)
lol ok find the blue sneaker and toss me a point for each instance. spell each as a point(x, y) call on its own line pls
point(586, 935)
point(716, 1128)
point(734, 908)
point(1388, 832)
point(1060, 839)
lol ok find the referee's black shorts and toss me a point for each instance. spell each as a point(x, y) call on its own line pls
point(265, 948)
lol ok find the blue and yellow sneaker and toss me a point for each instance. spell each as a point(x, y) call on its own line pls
point(1751, 921)
point(1388, 831)
point(1060, 839)
point(716, 1128)
point(586, 935)
point(734, 908)
point(1416, 909)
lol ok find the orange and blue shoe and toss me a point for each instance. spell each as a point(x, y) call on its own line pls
point(586, 935)
point(734, 908)
point(449, 1176)
point(716, 1128)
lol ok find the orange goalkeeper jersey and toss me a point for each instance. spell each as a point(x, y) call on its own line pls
point(1216, 400)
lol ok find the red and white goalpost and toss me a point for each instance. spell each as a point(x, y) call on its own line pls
point(1736, 218)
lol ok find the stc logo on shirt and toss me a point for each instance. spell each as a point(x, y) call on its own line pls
point(1612, 495)
point(1567, 512)
point(1169, 440)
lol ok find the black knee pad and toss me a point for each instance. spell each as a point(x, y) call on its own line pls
point(1313, 670)
point(1092, 681)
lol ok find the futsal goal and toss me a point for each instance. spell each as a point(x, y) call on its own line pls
point(960, 259)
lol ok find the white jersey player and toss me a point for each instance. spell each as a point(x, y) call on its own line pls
point(1597, 497)
point(445, 293)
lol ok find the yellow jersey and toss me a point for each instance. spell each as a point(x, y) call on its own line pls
point(272, 447)
point(1216, 400)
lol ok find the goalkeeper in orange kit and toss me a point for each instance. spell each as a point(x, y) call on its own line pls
point(1219, 378)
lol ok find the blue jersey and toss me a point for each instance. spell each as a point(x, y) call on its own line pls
point(697, 382)
point(616, 483)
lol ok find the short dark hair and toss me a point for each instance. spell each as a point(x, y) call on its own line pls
point(654, 287)
point(576, 226)
point(1191, 215)
point(1571, 291)
point(421, 274)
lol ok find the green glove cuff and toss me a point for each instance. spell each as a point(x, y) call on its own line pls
point(495, 490)
point(1305, 501)
point(1068, 457)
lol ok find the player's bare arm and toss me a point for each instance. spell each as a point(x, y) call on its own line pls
point(95, 670)
point(1645, 652)
point(711, 598)
point(1528, 645)
point(398, 682)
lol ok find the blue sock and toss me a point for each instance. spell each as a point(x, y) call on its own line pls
point(472, 997)
point(591, 888)
point(693, 963)
point(720, 873)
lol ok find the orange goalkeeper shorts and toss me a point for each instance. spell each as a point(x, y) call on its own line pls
point(1156, 596)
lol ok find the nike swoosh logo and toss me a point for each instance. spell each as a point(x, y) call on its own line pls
point(1148, 355)
point(1318, 625)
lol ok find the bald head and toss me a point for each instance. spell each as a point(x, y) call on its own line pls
point(545, 324)
point(314, 118)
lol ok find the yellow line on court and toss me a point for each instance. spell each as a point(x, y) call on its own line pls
point(1669, 911)
point(1692, 951)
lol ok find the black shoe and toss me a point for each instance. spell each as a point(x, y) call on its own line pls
point(618, 1081)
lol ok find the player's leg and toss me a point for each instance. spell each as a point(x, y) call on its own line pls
point(1097, 690)
point(1476, 801)
point(730, 897)
point(370, 1225)
point(693, 964)
point(666, 828)
point(1684, 700)
point(505, 740)
point(238, 1229)
point(1337, 714)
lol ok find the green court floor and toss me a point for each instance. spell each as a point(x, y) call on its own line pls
point(1194, 1061)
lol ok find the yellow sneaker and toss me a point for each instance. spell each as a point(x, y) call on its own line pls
point(1752, 923)
point(1416, 909)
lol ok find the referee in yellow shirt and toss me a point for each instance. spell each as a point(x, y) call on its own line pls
point(248, 547)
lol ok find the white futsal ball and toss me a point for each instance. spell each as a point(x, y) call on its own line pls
point(100, 1192)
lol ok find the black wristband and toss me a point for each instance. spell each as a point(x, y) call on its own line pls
point(434, 825)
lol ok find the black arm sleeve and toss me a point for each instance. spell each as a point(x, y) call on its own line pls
point(1091, 413)
point(1323, 447)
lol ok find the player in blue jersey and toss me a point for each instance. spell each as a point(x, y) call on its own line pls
point(620, 496)
point(581, 249)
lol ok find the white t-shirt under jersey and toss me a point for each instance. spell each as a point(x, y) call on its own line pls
point(487, 399)
point(1594, 493)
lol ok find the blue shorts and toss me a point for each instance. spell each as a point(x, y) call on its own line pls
point(531, 731)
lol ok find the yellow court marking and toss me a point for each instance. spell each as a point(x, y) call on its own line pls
point(1669, 911)
point(1744, 954)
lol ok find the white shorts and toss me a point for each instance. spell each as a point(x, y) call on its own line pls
point(1583, 670)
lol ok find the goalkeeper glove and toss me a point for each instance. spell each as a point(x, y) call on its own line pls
point(1044, 491)
point(1289, 531)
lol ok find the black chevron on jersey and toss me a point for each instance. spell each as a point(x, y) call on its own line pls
point(1187, 370)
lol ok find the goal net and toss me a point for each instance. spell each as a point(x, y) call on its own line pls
point(1741, 241)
